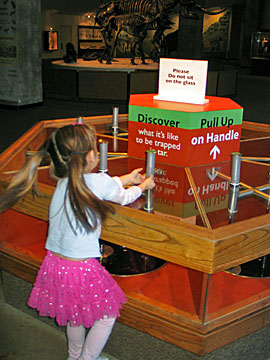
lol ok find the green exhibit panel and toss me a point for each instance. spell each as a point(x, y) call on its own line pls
point(184, 134)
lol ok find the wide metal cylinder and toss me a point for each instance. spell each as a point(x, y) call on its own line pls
point(150, 170)
point(236, 166)
point(234, 185)
point(103, 156)
point(115, 119)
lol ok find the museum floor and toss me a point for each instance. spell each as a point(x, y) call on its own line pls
point(24, 337)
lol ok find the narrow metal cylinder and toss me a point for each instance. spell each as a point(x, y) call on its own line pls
point(103, 156)
point(150, 162)
point(150, 170)
point(236, 166)
point(79, 120)
point(234, 186)
point(115, 119)
point(115, 142)
point(233, 200)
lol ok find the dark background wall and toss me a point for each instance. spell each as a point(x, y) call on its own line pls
point(247, 16)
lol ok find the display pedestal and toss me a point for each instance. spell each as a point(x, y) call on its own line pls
point(90, 80)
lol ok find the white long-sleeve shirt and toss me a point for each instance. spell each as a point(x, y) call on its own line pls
point(65, 236)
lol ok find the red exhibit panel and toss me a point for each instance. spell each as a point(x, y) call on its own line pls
point(185, 147)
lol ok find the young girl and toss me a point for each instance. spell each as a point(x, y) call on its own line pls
point(71, 285)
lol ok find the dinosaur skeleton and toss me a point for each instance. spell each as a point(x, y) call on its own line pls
point(136, 17)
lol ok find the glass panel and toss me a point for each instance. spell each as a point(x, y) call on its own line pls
point(229, 292)
point(164, 289)
point(174, 194)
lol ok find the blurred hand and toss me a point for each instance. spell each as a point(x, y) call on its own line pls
point(135, 177)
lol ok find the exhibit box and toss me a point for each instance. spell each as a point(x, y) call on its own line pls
point(184, 134)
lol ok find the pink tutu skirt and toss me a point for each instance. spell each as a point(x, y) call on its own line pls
point(76, 291)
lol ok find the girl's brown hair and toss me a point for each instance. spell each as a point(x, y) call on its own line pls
point(68, 148)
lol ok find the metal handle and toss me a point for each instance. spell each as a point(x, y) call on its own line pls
point(115, 119)
point(79, 120)
point(150, 170)
point(234, 185)
point(103, 156)
point(236, 165)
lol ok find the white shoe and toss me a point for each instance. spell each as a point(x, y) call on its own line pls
point(103, 358)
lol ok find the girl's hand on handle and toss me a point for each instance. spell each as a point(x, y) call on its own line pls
point(147, 184)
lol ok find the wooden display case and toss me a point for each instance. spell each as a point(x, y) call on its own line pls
point(192, 300)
